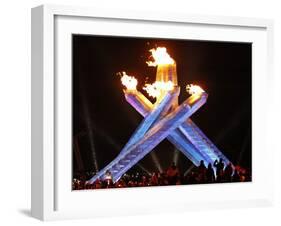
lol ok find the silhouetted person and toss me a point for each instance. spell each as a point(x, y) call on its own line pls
point(236, 176)
point(219, 169)
point(202, 172)
point(202, 166)
point(172, 174)
point(108, 179)
point(192, 178)
point(154, 179)
point(210, 174)
point(228, 171)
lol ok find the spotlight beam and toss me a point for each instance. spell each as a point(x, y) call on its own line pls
point(144, 169)
point(188, 170)
point(91, 136)
point(244, 145)
point(176, 156)
point(156, 161)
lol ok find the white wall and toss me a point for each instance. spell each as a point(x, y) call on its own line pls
point(15, 111)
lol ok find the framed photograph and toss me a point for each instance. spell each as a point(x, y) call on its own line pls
point(138, 112)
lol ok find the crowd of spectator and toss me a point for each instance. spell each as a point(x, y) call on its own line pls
point(216, 173)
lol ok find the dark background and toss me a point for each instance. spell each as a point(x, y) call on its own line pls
point(103, 121)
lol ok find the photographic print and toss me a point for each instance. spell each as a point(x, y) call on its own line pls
point(159, 112)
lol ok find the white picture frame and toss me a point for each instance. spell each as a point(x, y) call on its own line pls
point(51, 26)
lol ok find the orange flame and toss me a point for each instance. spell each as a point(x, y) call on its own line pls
point(160, 57)
point(194, 89)
point(129, 81)
point(156, 89)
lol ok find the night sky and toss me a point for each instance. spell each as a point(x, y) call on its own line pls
point(103, 121)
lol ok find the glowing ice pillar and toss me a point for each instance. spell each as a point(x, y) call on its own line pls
point(145, 143)
point(160, 109)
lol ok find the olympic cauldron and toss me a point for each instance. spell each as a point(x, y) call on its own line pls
point(164, 119)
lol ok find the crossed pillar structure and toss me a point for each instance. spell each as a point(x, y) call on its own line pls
point(164, 119)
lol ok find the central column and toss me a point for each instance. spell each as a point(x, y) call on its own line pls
point(167, 73)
